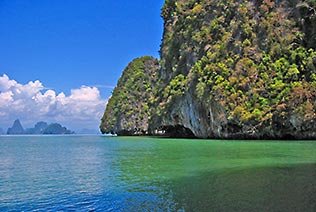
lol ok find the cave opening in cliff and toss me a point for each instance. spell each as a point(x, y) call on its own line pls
point(177, 131)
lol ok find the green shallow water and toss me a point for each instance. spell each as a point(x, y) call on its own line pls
point(210, 175)
point(151, 174)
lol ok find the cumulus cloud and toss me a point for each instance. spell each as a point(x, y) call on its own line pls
point(32, 102)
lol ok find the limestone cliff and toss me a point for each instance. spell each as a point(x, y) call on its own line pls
point(128, 110)
point(238, 69)
point(234, 69)
point(39, 129)
point(16, 128)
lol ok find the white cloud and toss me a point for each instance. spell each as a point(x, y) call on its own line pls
point(31, 103)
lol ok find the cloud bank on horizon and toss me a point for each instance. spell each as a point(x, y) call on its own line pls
point(32, 102)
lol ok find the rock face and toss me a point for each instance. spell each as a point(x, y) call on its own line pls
point(128, 110)
point(16, 128)
point(233, 69)
point(56, 128)
point(238, 69)
point(38, 128)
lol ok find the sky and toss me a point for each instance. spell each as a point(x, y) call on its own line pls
point(61, 59)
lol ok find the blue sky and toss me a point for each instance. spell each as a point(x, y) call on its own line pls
point(68, 45)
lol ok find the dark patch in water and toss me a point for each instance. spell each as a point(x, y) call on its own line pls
point(258, 189)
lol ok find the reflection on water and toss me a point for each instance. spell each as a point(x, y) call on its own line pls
point(83, 173)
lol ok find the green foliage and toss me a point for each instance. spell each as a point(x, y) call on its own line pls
point(250, 57)
point(129, 106)
point(177, 86)
point(200, 89)
point(257, 59)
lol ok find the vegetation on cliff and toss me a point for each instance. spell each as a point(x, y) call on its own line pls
point(237, 68)
point(256, 59)
point(128, 110)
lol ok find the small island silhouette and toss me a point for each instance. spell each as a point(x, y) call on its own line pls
point(39, 128)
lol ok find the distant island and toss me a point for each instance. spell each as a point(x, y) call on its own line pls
point(227, 69)
point(40, 128)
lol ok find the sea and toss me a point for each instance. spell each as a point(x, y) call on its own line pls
point(102, 173)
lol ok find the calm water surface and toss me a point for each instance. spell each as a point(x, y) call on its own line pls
point(95, 173)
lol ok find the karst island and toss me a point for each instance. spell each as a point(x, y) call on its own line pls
point(228, 69)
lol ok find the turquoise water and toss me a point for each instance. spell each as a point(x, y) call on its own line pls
point(95, 173)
